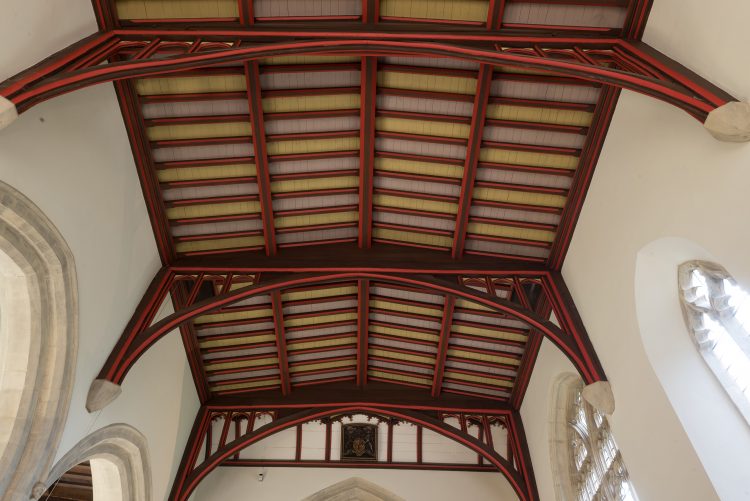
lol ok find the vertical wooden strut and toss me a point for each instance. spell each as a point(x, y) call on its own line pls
point(445, 333)
point(369, 79)
point(484, 83)
point(363, 326)
point(278, 321)
point(523, 458)
point(252, 74)
point(182, 299)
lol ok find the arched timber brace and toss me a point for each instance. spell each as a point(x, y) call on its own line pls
point(200, 458)
point(136, 53)
point(570, 337)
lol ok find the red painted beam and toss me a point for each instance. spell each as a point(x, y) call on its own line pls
point(445, 334)
point(484, 83)
point(281, 343)
point(369, 77)
point(681, 88)
point(363, 326)
point(261, 153)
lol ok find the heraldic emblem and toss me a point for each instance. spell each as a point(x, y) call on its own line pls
point(359, 442)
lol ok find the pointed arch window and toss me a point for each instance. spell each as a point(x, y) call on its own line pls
point(717, 313)
point(587, 464)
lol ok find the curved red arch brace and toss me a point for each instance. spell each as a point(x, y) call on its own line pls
point(59, 84)
point(143, 340)
point(185, 486)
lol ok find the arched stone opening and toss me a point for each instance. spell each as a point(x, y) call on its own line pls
point(38, 341)
point(354, 489)
point(120, 466)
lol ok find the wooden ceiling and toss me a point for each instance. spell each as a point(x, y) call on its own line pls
point(432, 154)
point(425, 152)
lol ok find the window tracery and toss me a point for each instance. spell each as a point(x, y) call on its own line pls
point(587, 463)
point(717, 313)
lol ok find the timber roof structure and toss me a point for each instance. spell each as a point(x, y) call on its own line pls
point(354, 194)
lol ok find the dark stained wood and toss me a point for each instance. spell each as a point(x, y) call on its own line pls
point(337, 394)
point(74, 485)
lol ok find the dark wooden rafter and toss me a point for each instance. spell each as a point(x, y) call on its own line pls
point(571, 338)
point(255, 99)
point(278, 321)
point(445, 334)
point(363, 328)
point(481, 98)
point(193, 469)
point(584, 174)
point(517, 435)
point(129, 105)
point(183, 298)
point(369, 77)
point(636, 66)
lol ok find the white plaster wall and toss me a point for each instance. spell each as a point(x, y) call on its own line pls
point(293, 484)
point(71, 157)
point(661, 175)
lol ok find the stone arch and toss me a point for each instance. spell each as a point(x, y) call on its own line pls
point(38, 341)
point(120, 465)
point(354, 488)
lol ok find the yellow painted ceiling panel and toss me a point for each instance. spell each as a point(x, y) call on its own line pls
point(400, 377)
point(423, 127)
point(494, 334)
point(478, 379)
point(401, 356)
point(539, 115)
point(199, 173)
point(413, 237)
point(190, 85)
point(379, 329)
point(289, 104)
point(323, 365)
point(519, 197)
point(319, 293)
point(236, 315)
point(531, 158)
point(337, 317)
point(219, 244)
point(414, 167)
point(471, 305)
point(239, 365)
point(416, 204)
point(242, 386)
point(313, 145)
point(181, 9)
point(430, 83)
point(497, 230)
point(320, 183)
point(455, 10)
point(197, 131)
point(321, 344)
point(481, 356)
point(210, 210)
point(310, 60)
point(316, 219)
point(215, 343)
point(405, 308)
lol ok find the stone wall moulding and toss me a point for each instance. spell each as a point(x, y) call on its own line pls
point(119, 446)
point(39, 364)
